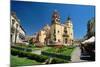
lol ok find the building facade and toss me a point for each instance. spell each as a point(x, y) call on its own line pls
point(42, 36)
point(57, 33)
point(56, 29)
point(68, 32)
point(17, 32)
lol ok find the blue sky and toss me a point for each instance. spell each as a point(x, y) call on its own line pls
point(34, 15)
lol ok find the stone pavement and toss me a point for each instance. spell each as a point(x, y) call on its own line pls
point(75, 56)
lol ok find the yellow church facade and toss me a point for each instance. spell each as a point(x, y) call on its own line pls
point(57, 33)
point(42, 36)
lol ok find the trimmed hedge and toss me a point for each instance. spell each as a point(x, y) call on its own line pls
point(18, 47)
point(29, 50)
point(57, 60)
point(14, 52)
point(39, 58)
point(57, 55)
point(22, 48)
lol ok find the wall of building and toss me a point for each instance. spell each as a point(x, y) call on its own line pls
point(42, 36)
point(17, 33)
point(56, 33)
point(68, 32)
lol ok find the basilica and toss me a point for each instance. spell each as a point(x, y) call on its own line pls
point(56, 33)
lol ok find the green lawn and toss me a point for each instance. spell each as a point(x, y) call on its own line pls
point(18, 61)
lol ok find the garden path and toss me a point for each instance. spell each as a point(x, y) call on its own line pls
point(75, 56)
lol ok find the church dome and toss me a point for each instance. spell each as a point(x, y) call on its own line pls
point(47, 27)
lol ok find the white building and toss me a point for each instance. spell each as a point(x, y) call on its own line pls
point(17, 32)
